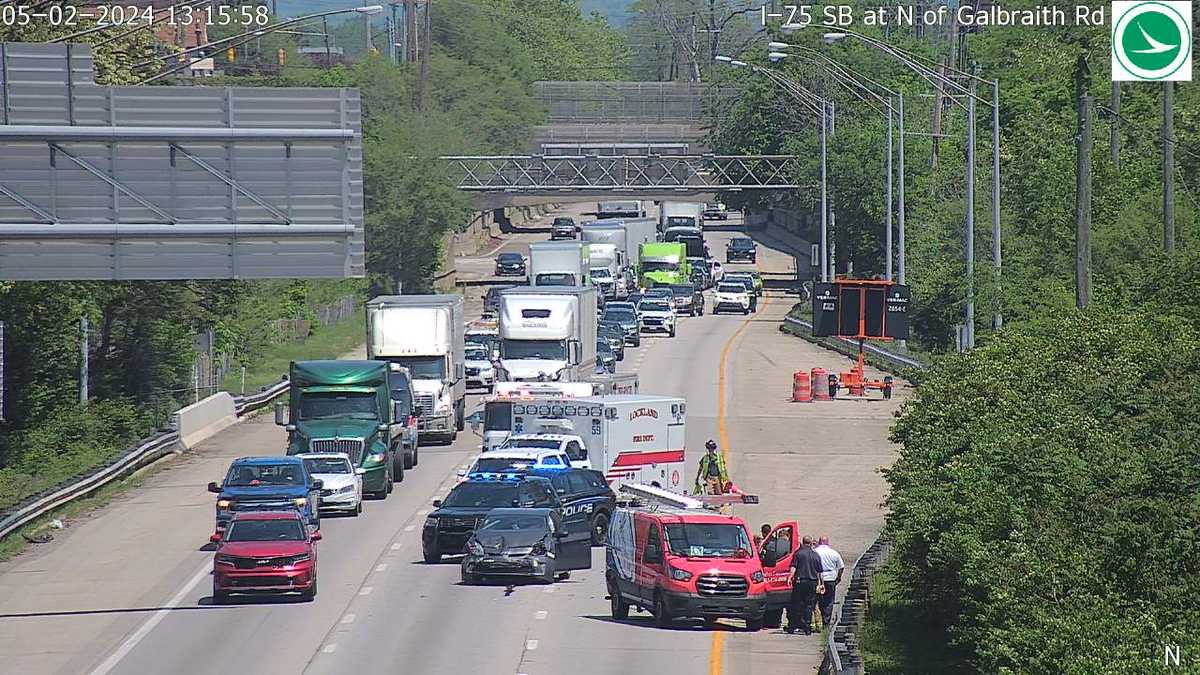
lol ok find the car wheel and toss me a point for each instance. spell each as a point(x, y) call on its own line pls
point(358, 509)
point(620, 608)
point(671, 333)
point(311, 593)
point(469, 579)
point(754, 624)
point(406, 459)
point(599, 529)
point(662, 615)
point(460, 422)
point(773, 618)
point(416, 453)
point(431, 557)
point(219, 597)
point(549, 575)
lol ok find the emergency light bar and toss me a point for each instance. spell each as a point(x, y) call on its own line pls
point(492, 476)
point(543, 389)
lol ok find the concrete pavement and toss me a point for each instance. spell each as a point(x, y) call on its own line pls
point(128, 588)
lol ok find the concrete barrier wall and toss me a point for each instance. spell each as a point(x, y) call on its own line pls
point(201, 420)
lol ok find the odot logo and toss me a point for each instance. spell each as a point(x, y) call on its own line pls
point(1152, 41)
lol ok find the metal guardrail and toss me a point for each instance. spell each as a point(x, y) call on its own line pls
point(147, 451)
point(869, 348)
point(842, 653)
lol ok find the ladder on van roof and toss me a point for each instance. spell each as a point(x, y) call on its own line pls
point(657, 496)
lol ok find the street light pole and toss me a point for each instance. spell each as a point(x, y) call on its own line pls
point(900, 213)
point(970, 233)
point(824, 194)
point(888, 199)
point(997, 316)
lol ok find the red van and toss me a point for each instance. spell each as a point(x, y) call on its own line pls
point(680, 559)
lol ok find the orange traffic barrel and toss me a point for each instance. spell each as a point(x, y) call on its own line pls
point(801, 387)
point(819, 376)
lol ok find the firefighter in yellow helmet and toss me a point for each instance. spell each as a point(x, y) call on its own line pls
point(711, 477)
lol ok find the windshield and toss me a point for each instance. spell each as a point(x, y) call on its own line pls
point(741, 243)
point(497, 416)
point(478, 353)
point(531, 443)
point(681, 221)
point(707, 540)
point(501, 465)
point(471, 495)
point(659, 266)
point(534, 349)
point(328, 465)
point(510, 258)
point(329, 404)
point(514, 523)
point(601, 273)
point(423, 367)
point(283, 529)
point(555, 279)
point(731, 288)
point(655, 307)
point(252, 475)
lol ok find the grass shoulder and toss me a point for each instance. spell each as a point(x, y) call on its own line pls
point(897, 639)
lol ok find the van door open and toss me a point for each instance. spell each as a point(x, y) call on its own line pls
point(775, 554)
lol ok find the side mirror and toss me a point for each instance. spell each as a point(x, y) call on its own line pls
point(462, 473)
point(316, 536)
point(437, 503)
point(280, 413)
point(359, 471)
point(383, 428)
point(317, 484)
point(214, 488)
point(215, 538)
point(398, 412)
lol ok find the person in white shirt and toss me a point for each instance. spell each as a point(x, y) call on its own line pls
point(831, 574)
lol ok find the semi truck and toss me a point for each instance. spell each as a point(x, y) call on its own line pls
point(639, 231)
point(547, 333)
point(663, 263)
point(559, 263)
point(426, 334)
point(345, 406)
point(690, 214)
point(631, 437)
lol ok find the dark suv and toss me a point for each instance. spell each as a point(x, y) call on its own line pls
point(741, 248)
point(585, 496)
point(455, 519)
point(563, 228)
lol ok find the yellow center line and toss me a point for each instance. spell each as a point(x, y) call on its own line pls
point(716, 653)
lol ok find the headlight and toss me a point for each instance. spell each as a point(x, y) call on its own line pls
point(303, 557)
point(300, 502)
point(375, 458)
point(539, 548)
point(431, 521)
point(474, 548)
point(224, 504)
point(757, 577)
point(224, 559)
point(680, 575)
point(345, 490)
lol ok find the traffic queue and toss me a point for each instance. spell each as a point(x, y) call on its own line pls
point(562, 434)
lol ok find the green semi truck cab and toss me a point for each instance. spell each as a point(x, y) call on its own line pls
point(661, 263)
point(344, 406)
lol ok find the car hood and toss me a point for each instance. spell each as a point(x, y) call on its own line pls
point(337, 428)
point(334, 481)
point(263, 549)
point(495, 542)
point(461, 511)
point(264, 491)
point(662, 315)
point(472, 363)
point(530, 369)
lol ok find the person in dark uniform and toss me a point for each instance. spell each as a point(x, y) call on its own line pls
point(806, 574)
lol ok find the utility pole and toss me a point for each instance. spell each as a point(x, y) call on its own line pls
point(410, 30)
point(1169, 167)
point(83, 360)
point(425, 38)
point(969, 238)
point(328, 51)
point(367, 27)
point(888, 198)
point(1083, 189)
point(900, 219)
point(1114, 127)
point(392, 35)
point(275, 8)
point(997, 315)
point(824, 195)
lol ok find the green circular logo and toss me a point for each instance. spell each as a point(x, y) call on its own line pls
point(1151, 40)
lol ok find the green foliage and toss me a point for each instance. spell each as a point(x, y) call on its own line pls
point(1044, 504)
point(271, 361)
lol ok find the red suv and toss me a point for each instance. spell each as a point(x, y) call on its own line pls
point(265, 552)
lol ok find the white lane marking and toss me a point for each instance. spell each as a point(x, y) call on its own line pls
point(531, 645)
point(541, 614)
point(329, 649)
point(366, 590)
point(396, 546)
point(140, 634)
point(549, 589)
point(349, 618)
point(423, 512)
point(410, 528)
point(381, 567)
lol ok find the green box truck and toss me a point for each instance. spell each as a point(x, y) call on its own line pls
point(345, 406)
point(662, 264)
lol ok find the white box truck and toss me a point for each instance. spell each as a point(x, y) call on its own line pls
point(639, 231)
point(690, 214)
point(547, 333)
point(559, 263)
point(426, 334)
point(606, 253)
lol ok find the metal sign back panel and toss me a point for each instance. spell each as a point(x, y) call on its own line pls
point(173, 182)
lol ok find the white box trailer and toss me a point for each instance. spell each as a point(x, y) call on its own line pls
point(680, 213)
point(426, 334)
point(559, 263)
point(547, 333)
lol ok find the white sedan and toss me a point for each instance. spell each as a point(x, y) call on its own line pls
point(731, 297)
point(342, 488)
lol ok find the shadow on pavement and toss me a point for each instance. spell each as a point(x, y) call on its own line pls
point(647, 621)
point(116, 610)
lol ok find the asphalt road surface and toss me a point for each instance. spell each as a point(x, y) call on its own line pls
point(128, 589)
